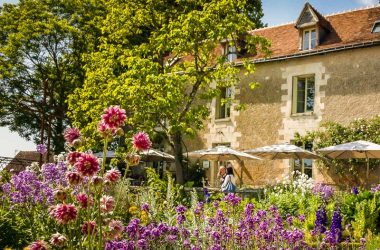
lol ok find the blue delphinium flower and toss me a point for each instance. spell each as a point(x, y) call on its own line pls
point(320, 220)
point(355, 190)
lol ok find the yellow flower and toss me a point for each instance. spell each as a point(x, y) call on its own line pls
point(133, 209)
point(144, 217)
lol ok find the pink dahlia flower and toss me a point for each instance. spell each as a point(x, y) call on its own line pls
point(89, 227)
point(105, 130)
point(58, 240)
point(71, 134)
point(115, 228)
point(114, 117)
point(72, 157)
point(64, 213)
point(87, 165)
point(113, 175)
point(106, 203)
point(38, 245)
point(141, 141)
point(83, 200)
point(74, 178)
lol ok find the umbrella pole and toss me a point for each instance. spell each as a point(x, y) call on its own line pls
point(241, 173)
point(367, 168)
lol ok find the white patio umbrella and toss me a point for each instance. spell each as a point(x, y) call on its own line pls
point(148, 155)
point(156, 155)
point(353, 150)
point(282, 151)
point(220, 153)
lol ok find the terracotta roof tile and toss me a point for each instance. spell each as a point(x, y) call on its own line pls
point(347, 28)
point(22, 160)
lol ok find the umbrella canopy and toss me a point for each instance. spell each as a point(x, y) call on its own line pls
point(148, 155)
point(353, 150)
point(282, 151)
point(221, 153)
point(356, 149)
point(156, 155)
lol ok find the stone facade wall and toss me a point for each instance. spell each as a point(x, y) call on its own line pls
point(347, 85)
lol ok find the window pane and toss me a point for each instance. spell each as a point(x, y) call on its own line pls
point(223, 108)
point(313, 35)
point(306, 38)
point(222, 111)
point(309, 172)
point(231, 53)
point(301, 95)
point(376, 28)
point(228, 92)
point(298, 165)
point(223, 92)
point(313, 42)
point(227, 105)
point(310, 94)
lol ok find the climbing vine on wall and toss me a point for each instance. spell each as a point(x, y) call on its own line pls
point(333, 133)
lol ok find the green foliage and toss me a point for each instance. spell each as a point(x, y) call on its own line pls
point(349, 201)
point(42, 46)
point(161, 195)
point(157, 60)
point(293, 203)
point(333, 133)
point(13, 230)
point(373, 243)
point(366, 216)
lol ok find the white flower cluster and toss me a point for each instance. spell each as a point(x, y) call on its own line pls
point(302, 183)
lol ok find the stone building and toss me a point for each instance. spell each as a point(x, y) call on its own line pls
point(322, 68)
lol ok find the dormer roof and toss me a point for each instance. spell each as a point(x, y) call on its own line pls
point(347, 29)
point(309, 16)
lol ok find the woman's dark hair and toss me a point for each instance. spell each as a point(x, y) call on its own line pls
point(230, 171)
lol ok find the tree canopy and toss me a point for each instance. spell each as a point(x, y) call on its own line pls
point(41, 46)
point(158, 60)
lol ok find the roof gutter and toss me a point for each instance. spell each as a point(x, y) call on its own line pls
point(314, 52)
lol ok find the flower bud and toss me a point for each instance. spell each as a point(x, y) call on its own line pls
point(74, 178)
point(58, 240)
point(120, 132)
point(60, 194)
point(133, 159)
point(77, 143)
point(97, 180)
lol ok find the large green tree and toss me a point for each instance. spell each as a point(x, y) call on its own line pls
point(42, 44)
point(159, 60)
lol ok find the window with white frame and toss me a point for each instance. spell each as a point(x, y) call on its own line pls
point(309, 39)
point(231, 52)
point(304, 166)
point(223, 108)
point(303, 94)
point(376, 27)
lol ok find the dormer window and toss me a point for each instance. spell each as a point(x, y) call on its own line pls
point(312, 28)
point(309, 39)
point(376, 27)
point(231, 52)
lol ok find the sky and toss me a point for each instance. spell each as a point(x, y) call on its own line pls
point(275, 12)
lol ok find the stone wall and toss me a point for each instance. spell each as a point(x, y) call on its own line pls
point(347, 85)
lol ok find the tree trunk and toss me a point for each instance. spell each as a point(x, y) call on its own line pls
point(48, 141)
point(178, 153)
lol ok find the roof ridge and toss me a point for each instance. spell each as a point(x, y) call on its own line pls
point(353, 10)
point(327, 15)
point(274, 26)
